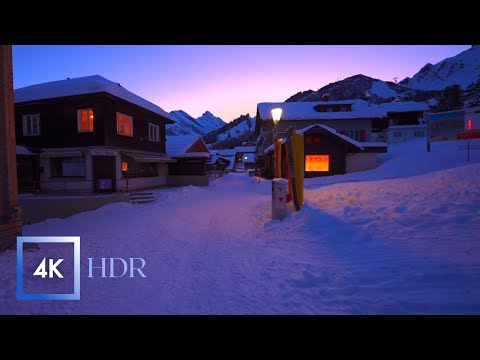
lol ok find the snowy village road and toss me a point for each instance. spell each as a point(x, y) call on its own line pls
point(390, 247)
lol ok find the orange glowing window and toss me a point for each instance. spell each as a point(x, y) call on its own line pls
point(124, 166)
point(85, 120)
point(469, 124)
point(124, 124)
point(317, 162)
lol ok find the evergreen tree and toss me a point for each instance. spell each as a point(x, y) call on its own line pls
point(450, 99)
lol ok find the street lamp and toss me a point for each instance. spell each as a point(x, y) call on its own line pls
point(276, 115)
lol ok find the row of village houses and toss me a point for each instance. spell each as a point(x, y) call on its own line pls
point(91, 134)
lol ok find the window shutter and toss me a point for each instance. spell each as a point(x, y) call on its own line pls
point(362, 135)
point(79, 120)
point(25, 124)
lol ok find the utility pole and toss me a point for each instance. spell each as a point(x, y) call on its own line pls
point(10, 214)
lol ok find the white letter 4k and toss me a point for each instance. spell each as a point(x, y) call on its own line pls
point(41, 271)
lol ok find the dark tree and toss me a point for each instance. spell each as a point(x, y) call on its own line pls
point(450, 99)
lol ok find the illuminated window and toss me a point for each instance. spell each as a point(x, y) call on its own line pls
point(124, 124)
point(469, 124)
point(317, 162)
point(153, 132)
point(85, 120)
point(124, 166)
point(308, 140)
point(31, 124)
point(316, 140)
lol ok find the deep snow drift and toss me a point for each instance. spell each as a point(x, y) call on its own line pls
point(400, 239)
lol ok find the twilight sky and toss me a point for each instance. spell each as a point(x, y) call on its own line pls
point(228, 80)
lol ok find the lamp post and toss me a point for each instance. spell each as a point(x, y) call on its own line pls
point(276, 115)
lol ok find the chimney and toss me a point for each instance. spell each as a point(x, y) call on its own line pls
point(326, 97)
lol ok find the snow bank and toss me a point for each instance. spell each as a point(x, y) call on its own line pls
point(400, 239)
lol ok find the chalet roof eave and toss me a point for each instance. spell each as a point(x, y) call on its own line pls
point(165, 119)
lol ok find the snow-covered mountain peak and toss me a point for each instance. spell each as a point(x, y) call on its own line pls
point(462, 69)
point(187, 125)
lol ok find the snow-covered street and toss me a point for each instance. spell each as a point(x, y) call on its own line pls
point(400, 239)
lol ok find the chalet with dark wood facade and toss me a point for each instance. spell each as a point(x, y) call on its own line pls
point(191, 155)
point(328, 152)
point(91, 134)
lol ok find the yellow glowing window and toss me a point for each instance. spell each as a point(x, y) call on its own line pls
point(124, 124)
point(317, 162)
point(85, 120)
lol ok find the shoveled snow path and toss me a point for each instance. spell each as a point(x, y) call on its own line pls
point(390, 246)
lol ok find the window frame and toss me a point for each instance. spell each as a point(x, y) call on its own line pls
point(354, 132)
point(90, 124)
point(155, 133)
point(53, 168)
point(27, 124)
point(129, 118)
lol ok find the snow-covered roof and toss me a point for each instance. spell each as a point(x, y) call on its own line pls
point(22, 150)
point(213, 159)
point(334, 132)
point(306, 111)
point(227, 152)
point(192, 155)
point(245, 149)
point(400, 127)
point(358, 144)
point(270, 148)
point(177, 145)
point(83, 85)
point(403, 106)
point(360, 109)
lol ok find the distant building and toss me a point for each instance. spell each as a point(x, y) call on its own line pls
point(402, 133)
point(191, 155)
point(227, 155)
point(245, 157)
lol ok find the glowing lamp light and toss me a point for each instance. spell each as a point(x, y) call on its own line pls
point(469, 124)
point(91, 116)
point(276, 114)
point(124, 166)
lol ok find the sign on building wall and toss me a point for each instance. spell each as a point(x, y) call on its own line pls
point(446, 126)
point(104, 152)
